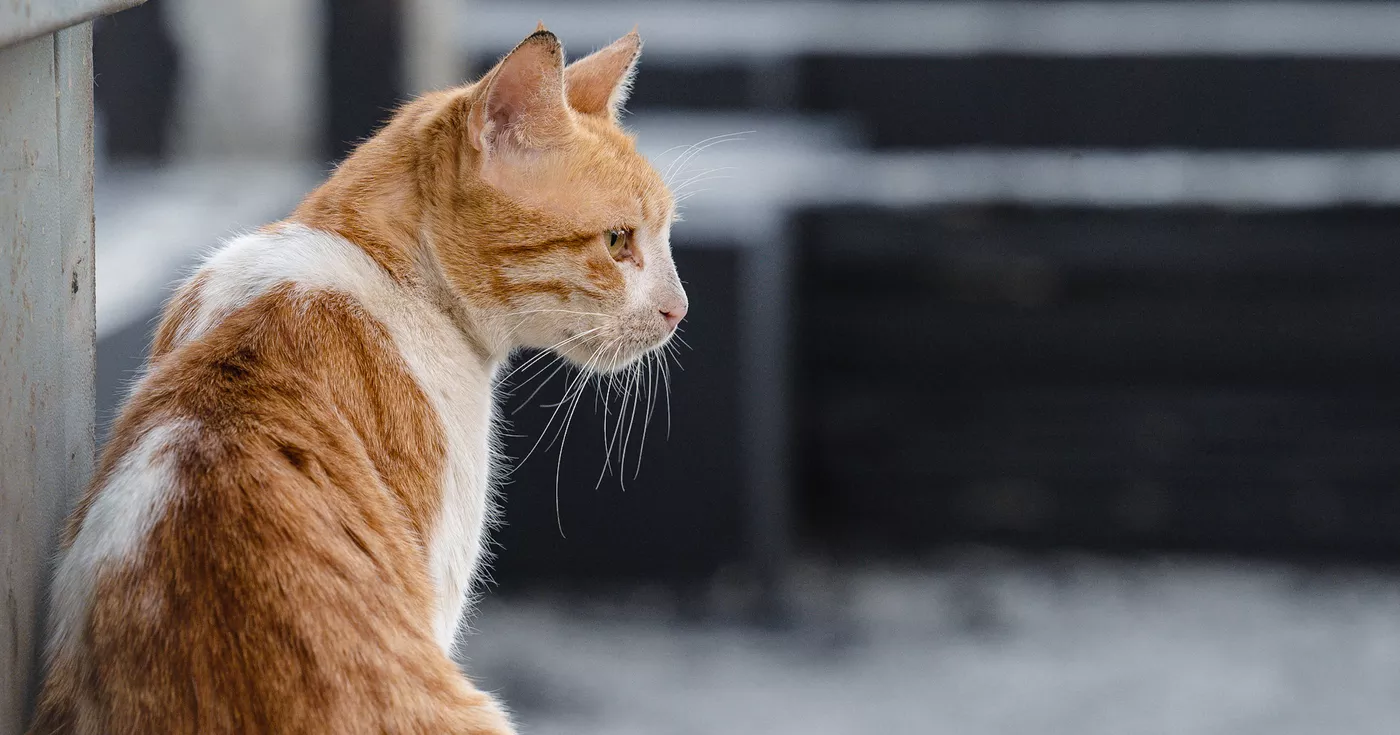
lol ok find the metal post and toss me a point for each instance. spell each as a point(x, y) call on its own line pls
point(47, 322)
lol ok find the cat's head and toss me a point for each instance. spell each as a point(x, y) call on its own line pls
point(559, 230)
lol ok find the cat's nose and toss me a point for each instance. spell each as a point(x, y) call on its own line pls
point(674, 315)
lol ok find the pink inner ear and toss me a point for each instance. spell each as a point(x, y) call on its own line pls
point(509, 101)
point(524, 99)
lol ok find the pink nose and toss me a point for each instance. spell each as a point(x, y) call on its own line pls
point(674, 315)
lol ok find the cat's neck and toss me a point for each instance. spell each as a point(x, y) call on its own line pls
point(376, 199)
point(372, 200)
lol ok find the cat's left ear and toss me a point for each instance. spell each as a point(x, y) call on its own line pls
point(598, 84)
point(521, 104)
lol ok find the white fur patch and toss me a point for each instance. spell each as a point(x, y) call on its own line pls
point(123, 512)
point(456, 383)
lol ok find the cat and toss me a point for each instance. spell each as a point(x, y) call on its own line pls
point(284, 529)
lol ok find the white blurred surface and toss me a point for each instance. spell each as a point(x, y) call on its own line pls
point(1073, 646)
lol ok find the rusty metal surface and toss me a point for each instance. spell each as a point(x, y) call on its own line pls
point(47, 327)
point(21, 20)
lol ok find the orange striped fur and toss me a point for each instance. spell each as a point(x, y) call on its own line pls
point(285, 526)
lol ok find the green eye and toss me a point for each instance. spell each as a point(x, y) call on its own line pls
point(617, 240)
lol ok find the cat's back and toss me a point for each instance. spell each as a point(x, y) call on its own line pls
point(250, 556)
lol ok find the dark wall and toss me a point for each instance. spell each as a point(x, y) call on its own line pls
point(136, 70)
point(1116, 102)
point(1170, 378)
point(364, 70)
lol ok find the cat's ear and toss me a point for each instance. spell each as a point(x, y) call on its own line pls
point(598, 83)
point(522, 104)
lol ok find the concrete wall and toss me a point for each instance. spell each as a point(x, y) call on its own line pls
point(21, 20)
point(46, 325)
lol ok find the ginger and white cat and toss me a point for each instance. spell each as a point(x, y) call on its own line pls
point(284, 529)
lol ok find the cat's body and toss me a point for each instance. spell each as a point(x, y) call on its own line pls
point(286, 525)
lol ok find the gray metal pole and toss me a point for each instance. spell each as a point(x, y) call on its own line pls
point(47, 321)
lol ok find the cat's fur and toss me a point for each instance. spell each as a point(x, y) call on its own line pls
point(285, 526)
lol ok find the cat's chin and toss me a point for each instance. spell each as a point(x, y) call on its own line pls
point(609, 367)
point(612, 359)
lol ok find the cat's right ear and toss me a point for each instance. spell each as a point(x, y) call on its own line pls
point(598, 83)
point(522, 104)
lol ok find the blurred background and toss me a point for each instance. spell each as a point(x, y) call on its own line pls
point(1041, 366)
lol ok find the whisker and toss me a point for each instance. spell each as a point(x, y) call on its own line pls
point(675, 354)
point(678, 166)
point(610, 441)
point(607, 411)
point(542, 353)
point(701, 146)
point(568, 391)
point(559, 311)
point(622, 460)
point(646, 420)
point(561, 364)
point(691, 149)
point(662, 154)
point(706, 175)
point(712, 174)
point(617, 431)
point(557, 360)
point(568, 421)
point(666, 377)
point(683, 198)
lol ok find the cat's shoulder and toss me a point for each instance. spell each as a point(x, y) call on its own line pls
point(292, 260)
point(288, 253)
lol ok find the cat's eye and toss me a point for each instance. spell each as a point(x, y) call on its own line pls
point(619, 243)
